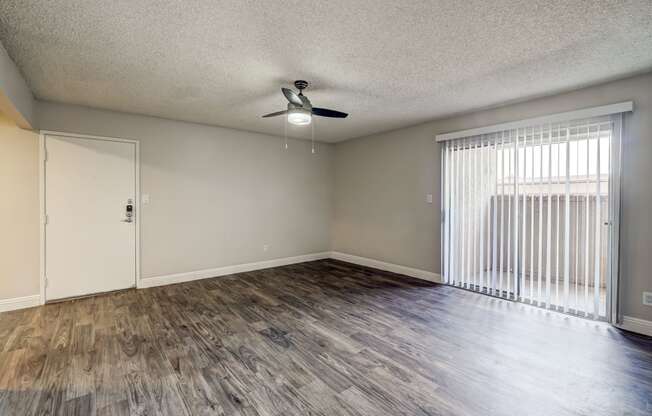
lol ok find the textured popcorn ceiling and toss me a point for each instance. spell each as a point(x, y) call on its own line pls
point(388, 63)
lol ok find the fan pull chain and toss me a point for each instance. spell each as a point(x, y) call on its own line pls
point(285, 125)
point(312, 130)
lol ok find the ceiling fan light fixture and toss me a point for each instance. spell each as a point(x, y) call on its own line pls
point(299, 117)
point(299, 108)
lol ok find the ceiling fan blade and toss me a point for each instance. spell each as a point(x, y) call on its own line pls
point(325, 112)
point(292, 96)
point(278, 113)
point(306, 102)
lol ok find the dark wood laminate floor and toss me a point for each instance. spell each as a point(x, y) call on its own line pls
point(320, 338)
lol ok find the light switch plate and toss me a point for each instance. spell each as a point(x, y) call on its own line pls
point(647, 298)
point(429, 198)
point(145, 199)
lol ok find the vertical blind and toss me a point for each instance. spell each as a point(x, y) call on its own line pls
point(525, 214)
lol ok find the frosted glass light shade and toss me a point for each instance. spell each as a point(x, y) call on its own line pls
point(299, 117)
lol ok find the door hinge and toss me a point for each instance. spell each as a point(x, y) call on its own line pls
point(46, 282)
point(46, 219)
point(45, 155)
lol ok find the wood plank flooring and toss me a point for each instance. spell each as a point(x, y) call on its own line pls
point(319, 338)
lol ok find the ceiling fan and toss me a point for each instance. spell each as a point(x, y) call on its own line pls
point(300, 110)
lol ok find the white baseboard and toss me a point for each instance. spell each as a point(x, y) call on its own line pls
point(19, 303)
point(637, 325)
point(222, 271)
point(35, 300)
point(394, 268)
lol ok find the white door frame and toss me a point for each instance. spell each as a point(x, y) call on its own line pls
point(42, 159)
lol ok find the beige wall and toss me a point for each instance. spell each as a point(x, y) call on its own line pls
point(381, 182)
point(16, 100)
point(217, 195)
point(19, 211)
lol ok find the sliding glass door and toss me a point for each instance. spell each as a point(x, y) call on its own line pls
point(528, 214)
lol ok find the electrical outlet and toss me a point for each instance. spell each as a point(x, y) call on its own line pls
point(647, 298)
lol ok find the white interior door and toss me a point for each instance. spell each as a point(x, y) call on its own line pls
point(90, 240)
